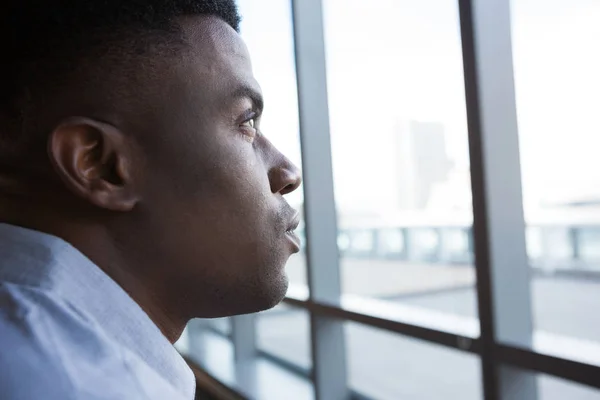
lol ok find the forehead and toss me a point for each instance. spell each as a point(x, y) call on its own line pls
point(219, 56)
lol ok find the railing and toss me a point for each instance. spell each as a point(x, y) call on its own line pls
point(567, 248)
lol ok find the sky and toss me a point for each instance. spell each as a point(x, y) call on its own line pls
point(393, 61)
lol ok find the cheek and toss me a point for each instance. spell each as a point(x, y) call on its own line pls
point(238, 177)
point(219, 193)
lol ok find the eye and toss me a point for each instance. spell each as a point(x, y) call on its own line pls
point(250, 128)
point(249, 123)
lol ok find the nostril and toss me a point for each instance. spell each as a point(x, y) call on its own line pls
point(295, 181)
point(290, 188)
point(284, 179)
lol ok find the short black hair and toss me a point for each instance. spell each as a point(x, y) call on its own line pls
point(43, 42)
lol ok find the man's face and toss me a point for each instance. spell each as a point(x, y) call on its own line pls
point(213, 212)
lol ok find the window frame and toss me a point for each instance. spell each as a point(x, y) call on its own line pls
point(504, 341)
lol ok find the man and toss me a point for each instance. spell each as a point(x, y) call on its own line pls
point(136, 192)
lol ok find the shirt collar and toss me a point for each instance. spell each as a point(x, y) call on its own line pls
point(37, 259)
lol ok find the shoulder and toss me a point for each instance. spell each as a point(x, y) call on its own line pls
point(29, 361)
point(53, 351)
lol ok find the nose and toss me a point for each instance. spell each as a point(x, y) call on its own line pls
point(285, 180)
point(284, 176)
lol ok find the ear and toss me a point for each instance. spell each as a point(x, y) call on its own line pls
point(96, 162)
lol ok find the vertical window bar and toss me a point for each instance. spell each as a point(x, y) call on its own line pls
point(243, 337)
point(328, 349)
point(503, 276)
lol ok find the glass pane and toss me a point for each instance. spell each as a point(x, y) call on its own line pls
point(211, 350)
point(267, 379)
point(551, 388)
point(556, 64)
point(384, 365)
point(276, 383)
point(397, 106)
point(220, 325)
point(267, 30)
point(284, 332)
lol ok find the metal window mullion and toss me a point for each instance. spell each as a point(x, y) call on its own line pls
point(243, 337)
point(575, 247)
point(196, 347)
point(327, 335)
point(503, 276)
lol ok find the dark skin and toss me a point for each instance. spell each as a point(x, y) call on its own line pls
point(176, 195)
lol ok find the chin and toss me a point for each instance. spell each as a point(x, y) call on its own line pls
point(271, 295)
point(246, 295)
point(264, 296)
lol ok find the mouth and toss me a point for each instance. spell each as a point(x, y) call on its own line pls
point(291, 234)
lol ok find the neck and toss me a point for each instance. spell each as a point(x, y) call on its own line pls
point(146, 285)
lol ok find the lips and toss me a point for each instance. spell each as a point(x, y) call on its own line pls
point(295, 221)
point(291, 235)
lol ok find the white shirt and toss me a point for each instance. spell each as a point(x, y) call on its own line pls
point(68, 331)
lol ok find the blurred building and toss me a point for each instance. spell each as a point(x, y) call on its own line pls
point(421, 160)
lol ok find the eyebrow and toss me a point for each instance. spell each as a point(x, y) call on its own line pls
point(249, 92)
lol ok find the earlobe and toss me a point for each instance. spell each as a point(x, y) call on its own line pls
point(95, 162)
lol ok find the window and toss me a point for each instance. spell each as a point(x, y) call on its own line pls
point(556, 64)
point(284, 333)
point(451, 203)
point(275, 383)
point(220, 325)
point(386, 366)
point(397, 104)
point(551, 388)
point(210, 350)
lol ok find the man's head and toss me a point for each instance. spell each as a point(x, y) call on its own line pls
point(131, 129)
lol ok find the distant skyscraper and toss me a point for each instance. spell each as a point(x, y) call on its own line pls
point(421, 161)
